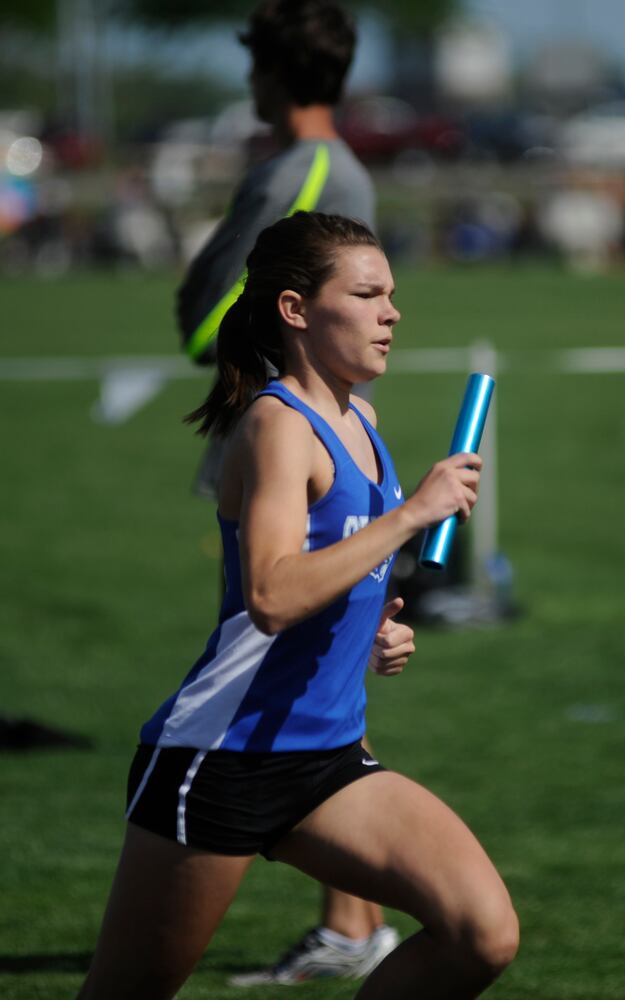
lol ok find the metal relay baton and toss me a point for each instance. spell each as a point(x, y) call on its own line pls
point(467, 436)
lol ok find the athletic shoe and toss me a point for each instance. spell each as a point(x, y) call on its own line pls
point(315, 958)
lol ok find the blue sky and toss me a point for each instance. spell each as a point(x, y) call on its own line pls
point(527, 22)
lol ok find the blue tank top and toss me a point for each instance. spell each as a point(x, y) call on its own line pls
point(302, 689)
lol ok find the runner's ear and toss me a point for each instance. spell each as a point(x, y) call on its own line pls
point(292, 309)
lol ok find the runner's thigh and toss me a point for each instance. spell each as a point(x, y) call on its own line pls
point(165, 904)
point(388, 839)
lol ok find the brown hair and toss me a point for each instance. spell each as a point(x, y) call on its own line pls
point(298, 253)
point(308, 43)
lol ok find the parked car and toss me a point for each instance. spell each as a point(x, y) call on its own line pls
point(378, 129)
point(72, 149)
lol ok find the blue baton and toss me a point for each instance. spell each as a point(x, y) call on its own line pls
point(467, 436)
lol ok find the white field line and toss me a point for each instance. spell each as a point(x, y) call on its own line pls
point(68, 369)
point(578, 360)
point(591, 360)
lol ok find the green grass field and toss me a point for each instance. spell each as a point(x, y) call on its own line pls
point(110, 570)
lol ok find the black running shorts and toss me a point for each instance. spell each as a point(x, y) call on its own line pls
point(235, 803)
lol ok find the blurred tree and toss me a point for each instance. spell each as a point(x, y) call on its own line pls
point(419, 17)
point(178, 13)
point(37, 14)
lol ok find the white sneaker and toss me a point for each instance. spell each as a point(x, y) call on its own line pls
point(314, 958)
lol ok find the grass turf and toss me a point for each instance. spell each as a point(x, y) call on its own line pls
point(110, 590)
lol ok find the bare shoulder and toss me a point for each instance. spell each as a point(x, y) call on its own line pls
point(365, 408)
point(270, 425)
point(271, 449)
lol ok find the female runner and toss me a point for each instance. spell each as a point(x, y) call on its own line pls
point(258, 752)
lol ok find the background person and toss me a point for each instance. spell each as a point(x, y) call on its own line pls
point(301, 51)
point(258, 751)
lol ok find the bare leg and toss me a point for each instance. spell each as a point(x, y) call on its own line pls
point(165, 905)
point(349, 915)
point(388, 839)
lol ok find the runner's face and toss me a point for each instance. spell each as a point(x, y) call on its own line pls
point(350, 321)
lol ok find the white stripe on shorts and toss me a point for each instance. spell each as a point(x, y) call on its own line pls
point(182, 796)
point(143, 782)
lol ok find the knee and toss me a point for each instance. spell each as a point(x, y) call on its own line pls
point(493, 942)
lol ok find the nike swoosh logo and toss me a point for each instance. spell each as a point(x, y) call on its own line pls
point(369, 763)
point(397, 492)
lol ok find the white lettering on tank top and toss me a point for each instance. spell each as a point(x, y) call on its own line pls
point(354, 523)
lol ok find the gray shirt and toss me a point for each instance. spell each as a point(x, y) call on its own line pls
point(267, 194)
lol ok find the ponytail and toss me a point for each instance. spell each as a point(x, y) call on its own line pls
point(242, 363)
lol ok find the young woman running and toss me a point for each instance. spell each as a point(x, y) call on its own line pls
point(258, 752)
